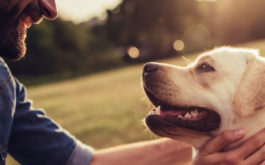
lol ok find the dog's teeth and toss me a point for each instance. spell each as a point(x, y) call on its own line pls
point(155, 111)
point(187, 115)
point(194, 113)
point(158, 110)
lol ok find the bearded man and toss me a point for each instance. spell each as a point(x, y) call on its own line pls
point(32, 138)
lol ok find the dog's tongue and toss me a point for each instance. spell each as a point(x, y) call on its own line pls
point(172, 113)
point(191, 115)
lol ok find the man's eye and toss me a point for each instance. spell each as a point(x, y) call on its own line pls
point(205, 67)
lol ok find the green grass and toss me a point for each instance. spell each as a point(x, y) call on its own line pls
point(104, 109)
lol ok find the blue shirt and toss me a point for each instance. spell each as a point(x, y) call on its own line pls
point(28, 134)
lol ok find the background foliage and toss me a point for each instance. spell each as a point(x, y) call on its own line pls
point(152, 26)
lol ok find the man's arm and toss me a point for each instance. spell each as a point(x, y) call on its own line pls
point(169, 152)
point(156, 152)
point(36, 139)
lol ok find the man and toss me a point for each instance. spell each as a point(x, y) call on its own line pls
point(33, 138)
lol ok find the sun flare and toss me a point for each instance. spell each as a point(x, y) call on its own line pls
point(82, 10)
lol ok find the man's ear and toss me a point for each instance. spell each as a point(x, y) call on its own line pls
point(250, 93)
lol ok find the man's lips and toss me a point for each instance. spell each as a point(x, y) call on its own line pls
point(31, 15)
point(27, 22)
point(29, 18)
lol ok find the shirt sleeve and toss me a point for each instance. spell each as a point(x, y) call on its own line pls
point(36, 139)
point(82, 154)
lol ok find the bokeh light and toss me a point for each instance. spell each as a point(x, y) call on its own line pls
point(133, 52)
point(178, 45)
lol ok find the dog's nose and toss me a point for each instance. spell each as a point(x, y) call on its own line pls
point(150, 67)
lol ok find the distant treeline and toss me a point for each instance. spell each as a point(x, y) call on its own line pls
point(62, 47)
point(152, 26)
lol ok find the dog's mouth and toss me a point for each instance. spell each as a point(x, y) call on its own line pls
point(198, 119)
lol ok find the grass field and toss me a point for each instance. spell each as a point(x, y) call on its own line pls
point(104, 109)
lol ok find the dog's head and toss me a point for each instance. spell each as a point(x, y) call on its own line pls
point(223, 89)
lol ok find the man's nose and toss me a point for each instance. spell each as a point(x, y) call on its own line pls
point(48, 8)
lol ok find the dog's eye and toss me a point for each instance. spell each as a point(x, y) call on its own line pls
point(205, 67)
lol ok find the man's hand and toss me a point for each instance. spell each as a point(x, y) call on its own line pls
point(251, 152)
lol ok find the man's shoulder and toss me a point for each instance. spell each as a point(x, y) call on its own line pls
point(5, 74)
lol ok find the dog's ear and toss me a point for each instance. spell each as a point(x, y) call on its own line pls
point(250, 93)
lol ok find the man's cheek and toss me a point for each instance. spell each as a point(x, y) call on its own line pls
point(12, 4)
point(3, 4)
point(16, 7)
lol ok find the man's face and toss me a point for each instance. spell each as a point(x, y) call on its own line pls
point(16, 16)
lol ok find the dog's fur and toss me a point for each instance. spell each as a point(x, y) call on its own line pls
point(232, 85)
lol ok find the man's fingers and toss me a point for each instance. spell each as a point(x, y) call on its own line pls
point(252, 144)
point(257, 157)
point(221, 141)
point(251, 152)
point(263, 163)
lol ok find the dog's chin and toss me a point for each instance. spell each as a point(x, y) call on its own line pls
point(174, 121)
point(172, 128)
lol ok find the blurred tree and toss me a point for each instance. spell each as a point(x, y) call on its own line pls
point(153, 28)
point(239, 20)
point(151, 25)
point(63, 47)
point(154, 25)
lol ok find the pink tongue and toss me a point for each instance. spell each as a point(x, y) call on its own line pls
point(172, 113)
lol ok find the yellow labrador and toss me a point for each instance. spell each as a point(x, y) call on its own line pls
point(224, 89)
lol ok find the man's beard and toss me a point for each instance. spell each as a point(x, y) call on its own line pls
point(12, 42)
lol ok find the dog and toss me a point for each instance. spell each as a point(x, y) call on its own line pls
point(223, 89)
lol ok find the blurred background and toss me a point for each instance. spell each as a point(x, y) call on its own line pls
point(85, 67)
point(89, 37)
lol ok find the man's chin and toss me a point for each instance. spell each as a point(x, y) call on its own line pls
point(13, 48)
point(13, 53)
point(12, 36)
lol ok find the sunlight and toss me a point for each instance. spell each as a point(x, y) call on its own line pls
point(206, 0)
point(82, 10)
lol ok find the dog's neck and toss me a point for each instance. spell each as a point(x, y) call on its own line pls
point(252, 124)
